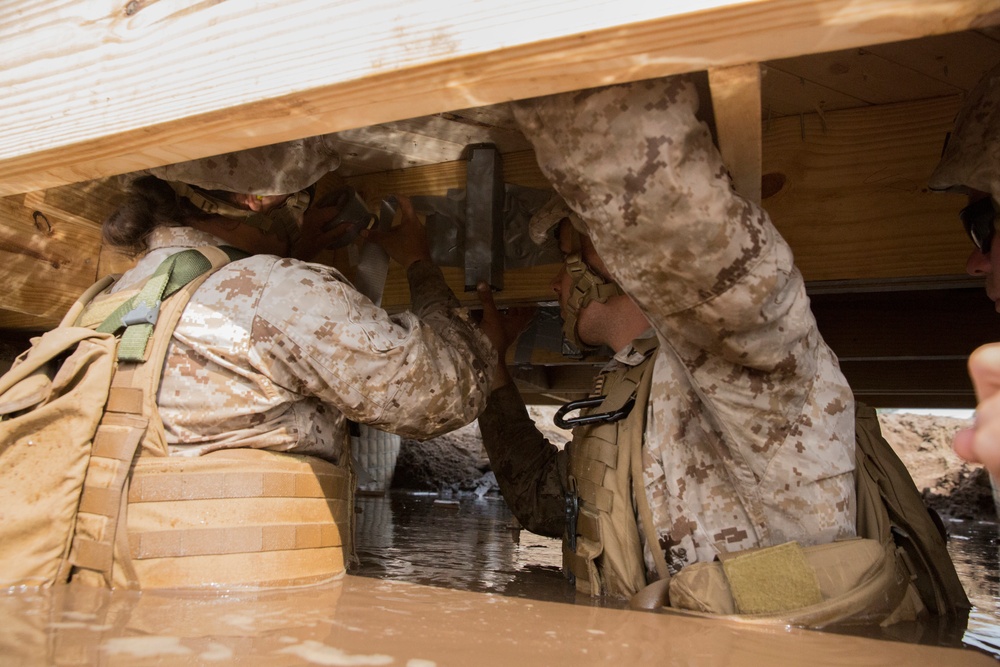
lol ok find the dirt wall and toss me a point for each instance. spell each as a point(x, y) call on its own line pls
point(457, 462)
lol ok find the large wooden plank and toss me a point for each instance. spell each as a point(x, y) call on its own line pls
point(98, 88)
point(785, 94)
point(958, 59)
point(908, 384)
point(916, 325)
point(848, 190)
point(45, 261)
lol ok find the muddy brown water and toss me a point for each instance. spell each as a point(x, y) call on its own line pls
point(469, 544)
point(449, 582)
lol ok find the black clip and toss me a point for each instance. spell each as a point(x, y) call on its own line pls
point(572, 509)
point(603, 417)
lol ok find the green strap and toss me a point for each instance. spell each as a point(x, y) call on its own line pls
point(138, 314)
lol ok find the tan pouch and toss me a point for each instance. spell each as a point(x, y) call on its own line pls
point(859, 581)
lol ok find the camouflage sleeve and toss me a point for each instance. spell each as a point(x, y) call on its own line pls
point(644, 175)
point(415, 375)
point(740, 352)
point(531, 471)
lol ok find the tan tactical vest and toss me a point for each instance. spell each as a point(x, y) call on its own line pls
point(605, 478)
point(868, 579)
point(232, 518)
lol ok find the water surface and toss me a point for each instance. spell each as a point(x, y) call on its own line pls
point(440, 584)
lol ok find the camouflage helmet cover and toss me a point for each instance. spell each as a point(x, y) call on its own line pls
point(971, 158)
point(548, 216)
point(278, 169)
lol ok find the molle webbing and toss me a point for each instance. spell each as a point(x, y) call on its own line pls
point(608, 555)
point(238, 518)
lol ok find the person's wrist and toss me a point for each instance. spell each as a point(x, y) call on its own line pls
point(502, 377)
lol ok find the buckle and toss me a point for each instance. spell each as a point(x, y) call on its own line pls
point(561, 421)
point(141, 314)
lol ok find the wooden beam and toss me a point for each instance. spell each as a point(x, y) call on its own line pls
point(95, 89)
point(911, 384)
point(736, 101)
point(916, 325)
point(46, 260)
point(848, 191)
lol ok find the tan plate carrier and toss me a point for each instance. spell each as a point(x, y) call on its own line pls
point(232, 518)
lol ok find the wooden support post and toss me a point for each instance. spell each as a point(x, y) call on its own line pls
point(736, 99)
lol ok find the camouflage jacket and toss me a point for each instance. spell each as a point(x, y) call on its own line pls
point(749, 435)
point(276, 354)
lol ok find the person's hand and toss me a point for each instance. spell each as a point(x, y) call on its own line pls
point(501, 328)
point(313, 237)
point(981, 443)
point(407, 242)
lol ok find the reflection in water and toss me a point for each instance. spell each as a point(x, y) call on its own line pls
point(469, 545)
point(975, 549)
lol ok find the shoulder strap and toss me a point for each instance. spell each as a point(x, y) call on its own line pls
point(138, 315)
point(638, 489)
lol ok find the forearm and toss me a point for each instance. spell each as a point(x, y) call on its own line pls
point(530, 471)
point(466, 350)
point(415, 376)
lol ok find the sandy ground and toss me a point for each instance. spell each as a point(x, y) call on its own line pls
point(457, 462)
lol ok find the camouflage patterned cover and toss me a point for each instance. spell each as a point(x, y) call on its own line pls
point(750, 425)
point(279, 169)
point(971, 158)
point(276, 354)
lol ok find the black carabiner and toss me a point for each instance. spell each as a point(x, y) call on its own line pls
point(603, 417)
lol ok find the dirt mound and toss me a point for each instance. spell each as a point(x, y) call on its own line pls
point(457, 462)
point(949, 485)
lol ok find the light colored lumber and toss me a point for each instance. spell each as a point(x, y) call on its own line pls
point(93, 89)
point(44, 269)
point(854, 203)
point(736, 103)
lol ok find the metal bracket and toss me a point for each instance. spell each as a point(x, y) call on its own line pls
point(484, 228)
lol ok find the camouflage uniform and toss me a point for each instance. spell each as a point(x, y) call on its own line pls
point(278, 169)
point(750, 425)
point(277, 353)
point(971, 158)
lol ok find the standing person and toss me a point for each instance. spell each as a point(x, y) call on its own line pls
point(970, 164)
point(728, 430)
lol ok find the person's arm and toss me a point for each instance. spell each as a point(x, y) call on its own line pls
point(740, 351)
point(530, 471)
point(418, 374)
